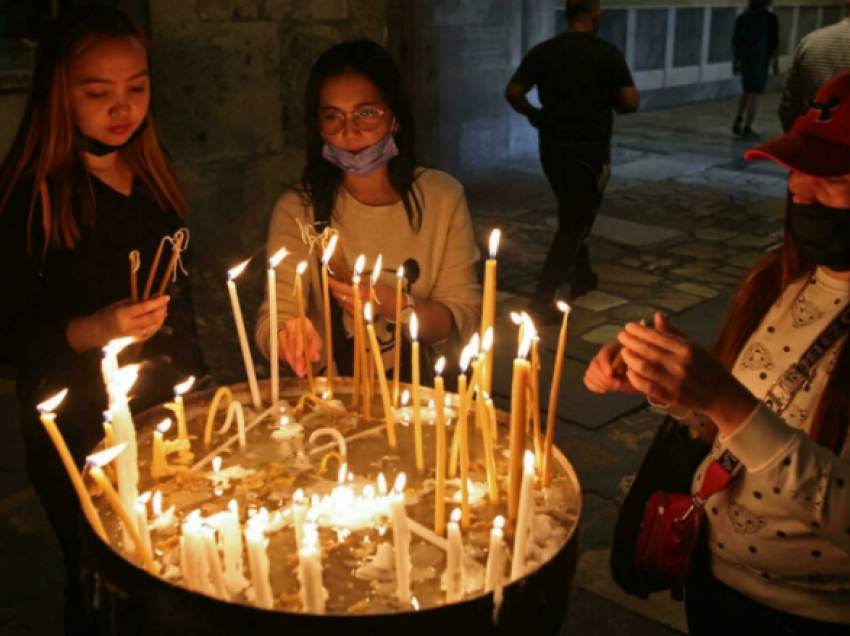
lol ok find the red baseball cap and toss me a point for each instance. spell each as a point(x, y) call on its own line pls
point(819, 142)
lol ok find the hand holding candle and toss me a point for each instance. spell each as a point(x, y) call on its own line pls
point(302, 316)
point(274, 261)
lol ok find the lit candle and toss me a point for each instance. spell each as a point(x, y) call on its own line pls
point(487, 413)
point(496, 556)
point(373, 280)
point(302, 317)
point(274, 344)
point(108, 433)
point(401, 539)
point(159, 462)
point(193, 555)
point(126, 465)
point(462, 421)
point(222, 393)
point(310, 567)
point(554, 393)
point(534, 387)
point(216, 576)
point(398, 331)
point(454, 560)
point(357, 323)
point(525, 518)
point(518, 423)
point(243, 337)
point(161, 521)
point(142, 521)
point(329, 354)
point(440, 491)
point(109, 364)
point(299, 516)
point(231, 545)
point(47, 415)
point(95, 465)
point(177, 407)
point(258, 558)
point(417, 400)
point(389, 417)
point(488, 306)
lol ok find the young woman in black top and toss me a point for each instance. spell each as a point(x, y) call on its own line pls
point(86, 183)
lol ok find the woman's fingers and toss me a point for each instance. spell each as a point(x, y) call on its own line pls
point(664, 341)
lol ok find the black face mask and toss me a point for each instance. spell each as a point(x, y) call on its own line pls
point(100, 149)
point(821, 234)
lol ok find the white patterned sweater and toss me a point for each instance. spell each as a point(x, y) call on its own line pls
point(780, 533)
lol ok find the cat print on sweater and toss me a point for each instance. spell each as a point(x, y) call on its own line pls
point(796, 416)
point(745, 520)
point(757, 356)
point(804, 312)
point(811, 493)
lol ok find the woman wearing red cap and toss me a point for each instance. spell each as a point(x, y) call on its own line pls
point(776, 387)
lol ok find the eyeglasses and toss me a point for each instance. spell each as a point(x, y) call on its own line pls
point(365, 120)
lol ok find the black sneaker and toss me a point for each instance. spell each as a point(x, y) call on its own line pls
point(749, 133)
point(736, 127)
point(581, 286)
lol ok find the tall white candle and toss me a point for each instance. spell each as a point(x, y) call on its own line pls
point(142, 522)
point(109, 364)
point(454, 561)
point(496, 556)
point(401, 539)
point(299, 515)
point(243, 337)
point(126, 464)
point(231, 544)
point(258, 559)
point(525, 516)
point(177, 407)
point(274, 355)
point(193, 556)
point(310, 568)
point(159, 462)
point(213, 559)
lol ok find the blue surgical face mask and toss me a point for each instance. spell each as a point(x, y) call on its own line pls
point(365, 162)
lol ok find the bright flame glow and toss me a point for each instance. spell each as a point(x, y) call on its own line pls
point(377, 271)
point(525, 345)
point(516, 318)
point(400, 483)
point(487, 343)
point(474, 344)
point(329, 250)
point(164, 425)
point(233, 506)
point(50, 405)
point(405, 397)
point(360, 264)
point(369, 492)
point(495, 235)
point(275, 260)
point(233, 273)
point(216, 464)
point(157, 504)
point(367, 313)
point(343, 471)
point(382, 484)
point(456, 515)
point(438, 368)
point(114, 347)
point(465, 357)
point(302, 267)
point(528, 462)
point(448, 400)
point(564, 307)
point(400, 273)
point(414, 327)
point(180, 389)
point(144, 498)
point(298, 497)
point(102, 458)
point(415, 603)
point(124, 379)
point(499, 522)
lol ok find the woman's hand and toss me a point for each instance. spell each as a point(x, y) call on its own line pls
point(601, 377)
point(291, 345)
point(123, 319)
point(671, 370)
point(344, 295)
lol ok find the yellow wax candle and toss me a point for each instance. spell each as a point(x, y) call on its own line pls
point(222, 393)
point(440, 478)
point(159, 460)
point(535, 401)
point(359, 345)
point(553, 396)
point(95, 465)
point(519, 387)
point(274, 346)
point(491, 412)
point(48, 420)
point(389, 416)
point(302, 316)
point(329, 356)
point(487, 426)
point(109, 435)
point(177, 407)
point(488, 306)
point(397, 340)
point(417, 415)
point(462, 419)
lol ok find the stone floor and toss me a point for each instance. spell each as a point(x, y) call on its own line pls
point(684, 217)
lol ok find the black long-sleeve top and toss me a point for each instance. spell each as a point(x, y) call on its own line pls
point(38, 301)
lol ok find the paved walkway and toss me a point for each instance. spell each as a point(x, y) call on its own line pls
point(683, 219)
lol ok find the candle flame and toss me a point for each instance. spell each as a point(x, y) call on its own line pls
point(359, 265)
point(499, 522)
point(456, 515)
point(310, 540)
point(180, 389)
point(475, 344)
point(438, 368)
point(516, 318)
point(377, 271)
point(124, 379)
point(414, 327)
point(329, 250)
point(400, 273)
point(367, 313)
point(114, 347)
point(298, 497)
point(495, 235)
point(233, 273)
point(233, 506)
point(343, 471)
point(101, 459)
point(415, 603)
point(525, 345)
point(144, 498)
point(528, 461)
point(302, 267)
point(157, 504)
point(50, 405)
point(369, 492)
point(382, 484)
point(107, 417)
point(431, 404)
point(400, 483)
point(448, 400)
point(564, 307)
point(275, 260)
point(164, 425)
point(487, 343)
point(216, 464)
point(465, 357)
point(405, 397)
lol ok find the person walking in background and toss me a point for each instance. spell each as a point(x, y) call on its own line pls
point(820, 55)
point(754, 43)
point(581, 79)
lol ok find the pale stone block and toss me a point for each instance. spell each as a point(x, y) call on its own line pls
point(698, 290)
point(598, 301)
point(700, 250)
point(626, 276)
point(603, 335)
point(329, 9)
point(675, 301)
point(715, 234)
point(631, 233)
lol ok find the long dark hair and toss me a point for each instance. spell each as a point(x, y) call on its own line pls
point(321, 180)
point(47, 148)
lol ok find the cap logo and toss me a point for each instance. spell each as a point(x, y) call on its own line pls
point(824, 108)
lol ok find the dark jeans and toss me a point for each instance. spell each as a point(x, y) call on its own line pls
point(578, 185)
point(715, 608)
